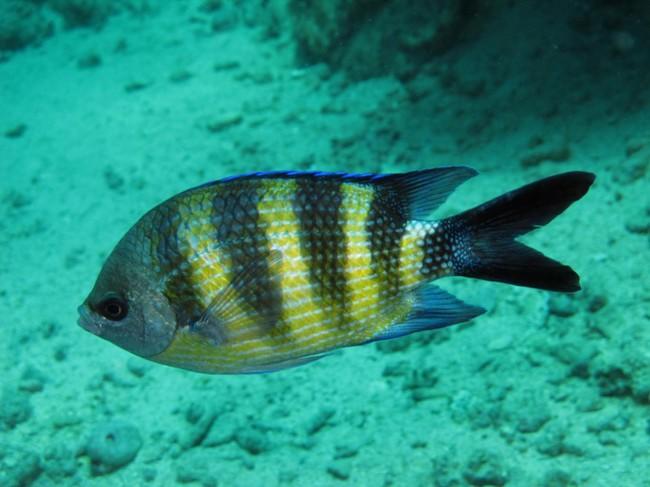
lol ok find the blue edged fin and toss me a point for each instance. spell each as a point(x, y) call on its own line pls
point(417, 192)
point(434, 308)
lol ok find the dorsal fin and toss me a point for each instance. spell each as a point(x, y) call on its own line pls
point(417, 192)
point(421, 192)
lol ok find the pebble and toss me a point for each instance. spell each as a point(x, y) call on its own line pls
point(64, 418)
point(32, 380)
point(15, 407)
point(59, 461)
point(540, 150)
point(484, 468)
point(319, 420)
point(112, 445)
point(562, 305)
point(201, 421)
point(551, 440)
point(220, 433)
point(339, 469)
point(198, 465)
point(253, 441)
point(613, 381)
point(527, 410)
point(639, 222)
point(500, 343)
point(557, 478)
point(596, 303)
point(224, 121)
point(137, 366)
point(89, 61)
point(397, 368)
point(16, 131)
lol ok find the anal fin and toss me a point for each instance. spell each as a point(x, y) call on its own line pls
point(280, 365)
point(433, 308)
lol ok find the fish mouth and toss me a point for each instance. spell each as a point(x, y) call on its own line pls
point(86, 321)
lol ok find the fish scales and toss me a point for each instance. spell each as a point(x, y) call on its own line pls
point(328, 239)
point(271, 270)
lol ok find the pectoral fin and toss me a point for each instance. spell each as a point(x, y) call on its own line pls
point(226, 309)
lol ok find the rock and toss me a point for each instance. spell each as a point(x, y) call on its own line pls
point(15, 407)
point(32, 380)
point(112, 445)
point(59, 462)
point(557, 478)
point(83, 13)
point(633, 169)
point(542, 149)
point(114, 180)
point(18, 467)
point(347, 449)
point(609, 429)
point(180, 76)
point(421, 383)
point(21, 24)
point(527, 410)
point(499, 343)
point(596, 303)
point(551, 441)
point(398, 368)
point(198, 465)
point(562, 305)
point(224, 121)
point(613, 381)
point(369, 38)
point(253, 441)
point(200, 422)
point(134, 86)
point(64, 418)
point(319, 420)
point(339, 469)
point(16, 131)
point(485, 468)
point(149, 474)
point(137, 366)
point(639, 222)
point(221, 432)
point(641, 384)
point(479, 414)
point(89, 61)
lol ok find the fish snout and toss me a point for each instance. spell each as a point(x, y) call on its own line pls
point(86, 320)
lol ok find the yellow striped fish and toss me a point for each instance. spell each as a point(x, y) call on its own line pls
point(265, 271)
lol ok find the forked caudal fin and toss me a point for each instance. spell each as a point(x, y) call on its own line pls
point(485, 235)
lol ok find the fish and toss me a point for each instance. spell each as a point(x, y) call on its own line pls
point(269, 270)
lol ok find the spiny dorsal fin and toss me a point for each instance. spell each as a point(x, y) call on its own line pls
point(417, 192)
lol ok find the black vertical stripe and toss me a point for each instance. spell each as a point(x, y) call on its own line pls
point(385, 225)
point(242, 238)
point(179, 288)
point(317, 205)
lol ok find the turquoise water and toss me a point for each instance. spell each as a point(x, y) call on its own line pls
point(108, 108)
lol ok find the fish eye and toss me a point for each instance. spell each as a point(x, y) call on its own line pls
point(113, 308)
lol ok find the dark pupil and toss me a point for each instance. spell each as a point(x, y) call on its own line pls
point(114, 309)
